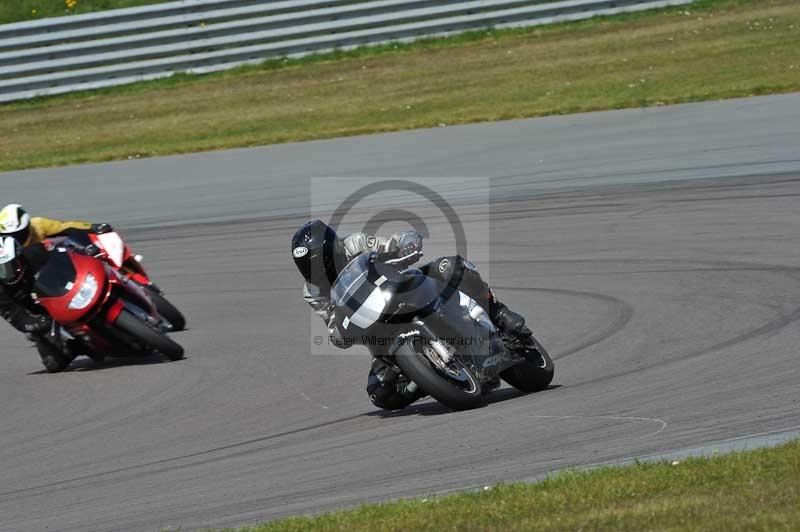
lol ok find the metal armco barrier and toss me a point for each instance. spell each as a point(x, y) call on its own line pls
point(66, 54)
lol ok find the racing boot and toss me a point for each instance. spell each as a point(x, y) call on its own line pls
point(460, 274)
point(389, 389)
point(509, 321)
point(505, 319)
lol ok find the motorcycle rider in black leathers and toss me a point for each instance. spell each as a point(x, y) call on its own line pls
point(18, 267)
point(320, 254)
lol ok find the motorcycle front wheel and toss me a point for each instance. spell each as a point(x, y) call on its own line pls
point(462, 392)
point(53, 359)
point(148, 336)
point(167, 310)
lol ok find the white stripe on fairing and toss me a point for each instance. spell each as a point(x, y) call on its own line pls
point(369, 312)
point(380, 281)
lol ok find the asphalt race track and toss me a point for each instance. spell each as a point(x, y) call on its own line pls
point(656, 253)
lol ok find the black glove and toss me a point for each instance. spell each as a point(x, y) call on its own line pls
point(92, 250)
point(408, 243)
point(334, 334)
point(100, 229)
point(337, 340)
point(39, 324)
point(407, 246)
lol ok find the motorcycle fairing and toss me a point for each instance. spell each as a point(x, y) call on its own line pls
point(113, 245)
point(62, 277)
point(373, 299)
point(474, 340)
point(367, 292)
point(141, 301)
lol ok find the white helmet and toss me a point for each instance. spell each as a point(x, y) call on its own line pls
point(15, 222)
point(12, 263)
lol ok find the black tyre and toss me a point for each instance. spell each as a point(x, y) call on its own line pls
point(167, 310)
point(53, 359)
point(458, 395)
point(148, 336)
point(533, 375)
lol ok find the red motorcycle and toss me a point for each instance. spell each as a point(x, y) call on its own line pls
point(103, 303)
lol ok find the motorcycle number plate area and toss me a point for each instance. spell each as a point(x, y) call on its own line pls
point(112, 244)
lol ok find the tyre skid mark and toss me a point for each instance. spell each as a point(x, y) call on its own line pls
point(623, 310)
point(769, 327)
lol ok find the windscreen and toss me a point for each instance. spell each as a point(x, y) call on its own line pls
point(350, 279)
point(56, 277)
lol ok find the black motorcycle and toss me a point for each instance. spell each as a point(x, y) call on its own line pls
point(436, 335)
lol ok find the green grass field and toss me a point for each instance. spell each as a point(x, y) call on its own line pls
point(752, 491)
point(714, 49)
point(21, 10)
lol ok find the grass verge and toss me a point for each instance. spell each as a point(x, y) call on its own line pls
point(22, 10)
point(714, 49)
point(755, 490)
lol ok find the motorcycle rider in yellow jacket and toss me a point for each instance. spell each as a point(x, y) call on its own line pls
point(18, 224)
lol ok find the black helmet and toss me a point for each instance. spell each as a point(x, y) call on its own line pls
point(12, 262)
point(318, 253)
point(15, 222)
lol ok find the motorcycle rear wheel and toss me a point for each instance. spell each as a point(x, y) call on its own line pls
point(418, 369)
point(533, 375)
point(148, 336)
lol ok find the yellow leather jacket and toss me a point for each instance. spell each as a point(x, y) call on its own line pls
point(43, 228)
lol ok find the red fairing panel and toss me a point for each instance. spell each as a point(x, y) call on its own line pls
point(58, 307)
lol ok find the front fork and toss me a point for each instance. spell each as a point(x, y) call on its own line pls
point(133, 269)
point(137, 301)
point(486, 366)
